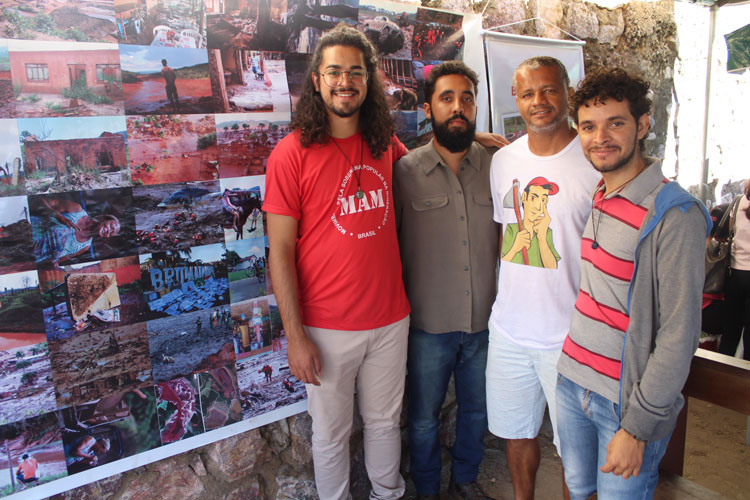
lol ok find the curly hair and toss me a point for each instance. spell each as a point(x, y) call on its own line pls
point(448, 68)
point(311, 116)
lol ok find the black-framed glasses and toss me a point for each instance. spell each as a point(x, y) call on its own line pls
point(334, 77)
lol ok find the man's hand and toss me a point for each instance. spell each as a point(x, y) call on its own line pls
point(304, 360)
point(624, 455)
point(541, 225)
point(491, 140)
point(521, 241)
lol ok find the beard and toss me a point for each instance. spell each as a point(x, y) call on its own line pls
point(454, 141)
point(343, 112)
point(551, 126)
point(619, 163)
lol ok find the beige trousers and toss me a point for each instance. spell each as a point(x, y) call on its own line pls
point(374, 360)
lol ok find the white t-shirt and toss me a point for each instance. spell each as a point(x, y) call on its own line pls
point(740, 254)
point(534, 303)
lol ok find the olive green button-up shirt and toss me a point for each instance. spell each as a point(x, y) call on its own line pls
point(448, 239)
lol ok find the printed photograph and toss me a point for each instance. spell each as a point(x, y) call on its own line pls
point(245, 142)
point(220, 397)
point(12, 173)
point(296, 68)
point(247, 24)
point(178, 406)
point(406, 127)
point(421, 70)
point(249, 81)
point(241, 201)
point(92, 296)
point(178, 216)
point(266, 384)
point(513, 126)
point(59, 20)
point(251, 327)
point(82, 226)
point(15, 236)
point(190, 343)
point(160, 80)
point(180, 281)
point(65, 78)
point(399, 83)
point(437, 35)
point(246, 262)
point(172, 148)
point(161, 23)
point(73, 154)
point(31, 453)
point(424, 128)
point(7, 97)
point(93, 365)
point(103, 430)
point(389, 26)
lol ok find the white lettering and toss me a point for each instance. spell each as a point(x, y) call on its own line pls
point(366, 235)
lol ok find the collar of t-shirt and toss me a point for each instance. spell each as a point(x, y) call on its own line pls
point(644, 183)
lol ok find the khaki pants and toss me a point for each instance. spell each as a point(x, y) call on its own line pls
point(374, 360)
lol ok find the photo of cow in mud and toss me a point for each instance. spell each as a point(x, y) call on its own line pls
point(242, 202)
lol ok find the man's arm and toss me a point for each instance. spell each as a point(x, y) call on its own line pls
point(303, 357)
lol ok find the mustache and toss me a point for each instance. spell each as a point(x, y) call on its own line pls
point(459, 116)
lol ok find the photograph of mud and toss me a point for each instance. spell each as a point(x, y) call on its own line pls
point(242, 199)
point(172, 148)
point(406, 127)
point(92, 296)
point(91, 365)
point(180, 281)
point(296, 69)
point(159, 80)
point(7, 97)
point(179, 408)
point(82, 226)
point(251, 327)
point(400, 84)
point(247, 80)
point(266, 384)
point(65, 78)
point(72, 154)
point(12, 173)
point(437, 36)
point(246, 141)
point(74, 20)
point(178, 216)
point(220, 397)
point(246, 262)
point(107, 429)
point(389, 26)
point(35, 446)
point(16, 245)
point(161, 23)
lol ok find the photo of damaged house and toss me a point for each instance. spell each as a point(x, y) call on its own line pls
point(7, 97)
point(71, 154)
point(12, 173)
point(16, 245)
point(161, 23)
point(181, 281)
point(247, 262)
point(245, 142)
point(220, 397)
point(172, 148)
point(438, 35)
point(25, 372)
point(178, 407)
point(92, 296)
point(39, 439)
point(159, 80)
point(110, 428)
point(242, 202)
point(65, 78)
point(59, 20)
point(82, 226)
point(389, 26)
point(178, 216)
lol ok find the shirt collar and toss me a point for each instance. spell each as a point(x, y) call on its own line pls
point(637, 189)
point(433, 159)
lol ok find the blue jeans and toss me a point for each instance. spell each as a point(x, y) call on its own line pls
point(432, 359)
point(586, 423)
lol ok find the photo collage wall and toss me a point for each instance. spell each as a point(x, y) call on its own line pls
point(136, 307)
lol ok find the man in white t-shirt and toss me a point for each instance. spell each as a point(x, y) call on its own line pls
point(541, 188)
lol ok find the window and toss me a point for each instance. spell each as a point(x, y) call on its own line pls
point(105, 72)
point(104, 158)
point(37, 72)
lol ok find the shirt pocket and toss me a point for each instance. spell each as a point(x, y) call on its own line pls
point(430, 202)
point(483, 199)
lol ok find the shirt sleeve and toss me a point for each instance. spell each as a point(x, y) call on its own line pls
point(283, 193)
point(399, 149)
point(497, 196)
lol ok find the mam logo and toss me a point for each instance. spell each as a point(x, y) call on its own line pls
point(349, 205)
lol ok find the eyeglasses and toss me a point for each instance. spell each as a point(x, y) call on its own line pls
point(333, 77)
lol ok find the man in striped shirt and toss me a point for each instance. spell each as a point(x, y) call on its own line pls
point(636, 322)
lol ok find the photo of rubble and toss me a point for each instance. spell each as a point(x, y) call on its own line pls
point(190, 343)
point(181, 281)
point(37, 444)
point(266, 384)
point(59, 20)
point(161, 23)
point(437, 36)
point(7, 97)
point(159, 80)
point(103, 430)
point(92, 296)
point(12, 173)
point(178, 406)
point(65, 78)
point(406, 127)
point(296, 69)
point(21, 319)
point(246, 263)
point(172, 148)
point(246, 141)
point(178, 216)
point(251, 327)
point(93, 365)
point(399, 83)
point(389, 26)
point(220, 397)
point(72, 154)
point(242, 201)
point(15, 236)
point(249, 81)
point(247, 24)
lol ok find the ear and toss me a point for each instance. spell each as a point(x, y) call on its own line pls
point(427, 111)
point(644, 125)
point(316, 81)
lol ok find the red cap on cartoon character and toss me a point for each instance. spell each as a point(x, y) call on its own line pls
point(542, 181)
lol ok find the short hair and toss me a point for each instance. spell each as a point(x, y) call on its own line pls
point(163, 62)
point(24, 456)
point(537, 62)
point(444, 69)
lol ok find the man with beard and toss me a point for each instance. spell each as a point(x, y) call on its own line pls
point(636, 323)
point(449, 246)
point(538, 278)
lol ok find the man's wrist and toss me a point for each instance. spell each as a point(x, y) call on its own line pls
point(639, 439)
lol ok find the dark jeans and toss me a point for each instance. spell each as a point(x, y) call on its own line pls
point(432, 359)
point(737, 313)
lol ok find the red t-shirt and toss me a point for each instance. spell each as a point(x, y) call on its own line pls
point(348, 264)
